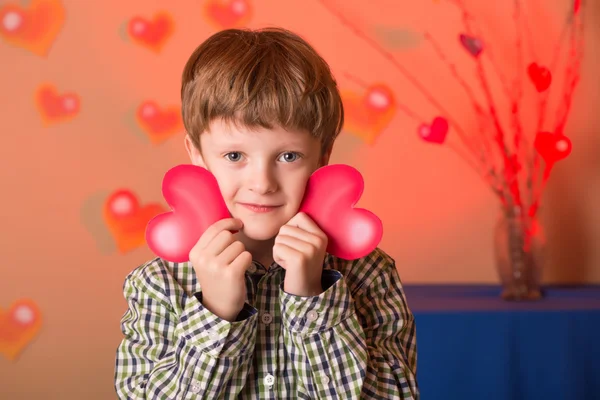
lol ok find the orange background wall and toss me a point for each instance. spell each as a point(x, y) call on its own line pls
point(56, 250)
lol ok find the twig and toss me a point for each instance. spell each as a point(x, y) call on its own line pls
point(542, 109)
point(488, 51)
point(576, 53)
point(576, 50)
point(509, 170)
point(543, 102)
point(477, 107)
point(519, 141)
point(373, 44)
point(488, 177)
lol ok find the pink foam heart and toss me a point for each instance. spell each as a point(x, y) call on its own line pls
point(330, 197)
point(196, 201)
point(436, 132)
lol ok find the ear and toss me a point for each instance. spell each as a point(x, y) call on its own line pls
point(193, 152)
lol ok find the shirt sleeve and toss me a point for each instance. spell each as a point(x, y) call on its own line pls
point(182, 351)
point(361, 346)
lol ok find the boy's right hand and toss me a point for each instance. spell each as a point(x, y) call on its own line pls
point(220, 262)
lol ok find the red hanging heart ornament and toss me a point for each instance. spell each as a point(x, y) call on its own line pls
point(552, 147)
point(472, 44)
point(540, 76)
point(436, 132)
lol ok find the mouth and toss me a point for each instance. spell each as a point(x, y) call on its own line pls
point(260, 208)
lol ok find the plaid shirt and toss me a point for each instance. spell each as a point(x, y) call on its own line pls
point(356, 340)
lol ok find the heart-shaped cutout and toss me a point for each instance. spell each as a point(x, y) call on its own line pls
point(158, 123)
point(330, 197)
point(368, 114)
point(541, 77)
point(226, 14)
point(34, 28)
point(472, 44)
point(54, 107)
point(194, 196)
point(152, 34)
point(19, 325)
point(126, 219)
point(436, 132)
point(552, 147)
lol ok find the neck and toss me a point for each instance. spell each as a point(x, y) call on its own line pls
point(261, 250)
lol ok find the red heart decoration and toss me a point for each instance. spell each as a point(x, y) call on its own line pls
point(19, 325)
point(540, 76)
point(159, 123)
point(54, 107)
point(34, 28)
point(378, 99)
point(228, 13)
point(152, 34)
point(552, 147)
point(126, 219)
point(472, 44)
point(196, 201)
point(330, 196)
point(367, 115)
point(436, 133)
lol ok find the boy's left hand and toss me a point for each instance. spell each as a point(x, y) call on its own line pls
point(300, 249)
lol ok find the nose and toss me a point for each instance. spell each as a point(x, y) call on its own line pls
point(262, 179)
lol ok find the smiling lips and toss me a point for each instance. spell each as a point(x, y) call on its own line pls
point(259, 208)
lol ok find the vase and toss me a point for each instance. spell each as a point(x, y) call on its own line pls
point(519, 245)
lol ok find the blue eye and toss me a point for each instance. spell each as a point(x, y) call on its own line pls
point(234, 156)
point(290, 156)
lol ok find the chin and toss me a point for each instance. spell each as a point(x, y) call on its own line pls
point(260, 232)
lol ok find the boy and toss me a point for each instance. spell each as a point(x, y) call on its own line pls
point(264, 312)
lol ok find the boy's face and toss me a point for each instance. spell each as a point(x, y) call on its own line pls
point(259, 167)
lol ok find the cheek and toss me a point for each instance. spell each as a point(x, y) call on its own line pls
point(295, 189)
point(227, 185)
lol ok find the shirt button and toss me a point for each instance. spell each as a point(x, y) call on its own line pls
point(324, 378)
point(213, 334)
point(269, 380)
point(198, 385)
point(266, 318)
point(252, 268)
point(312, 315)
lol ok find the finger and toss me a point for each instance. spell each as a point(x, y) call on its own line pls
point(219, 243)
point(303, 246)
point(303, 221)
point(242, 262)
point(299, 233)
point(283, 253)
point(229, 224)
point(231, 252)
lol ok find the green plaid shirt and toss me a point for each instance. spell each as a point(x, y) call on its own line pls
point(356, 340)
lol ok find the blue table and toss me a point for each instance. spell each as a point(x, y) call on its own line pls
point(473, 345)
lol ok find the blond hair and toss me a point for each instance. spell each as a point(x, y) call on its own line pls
point(260, 78)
